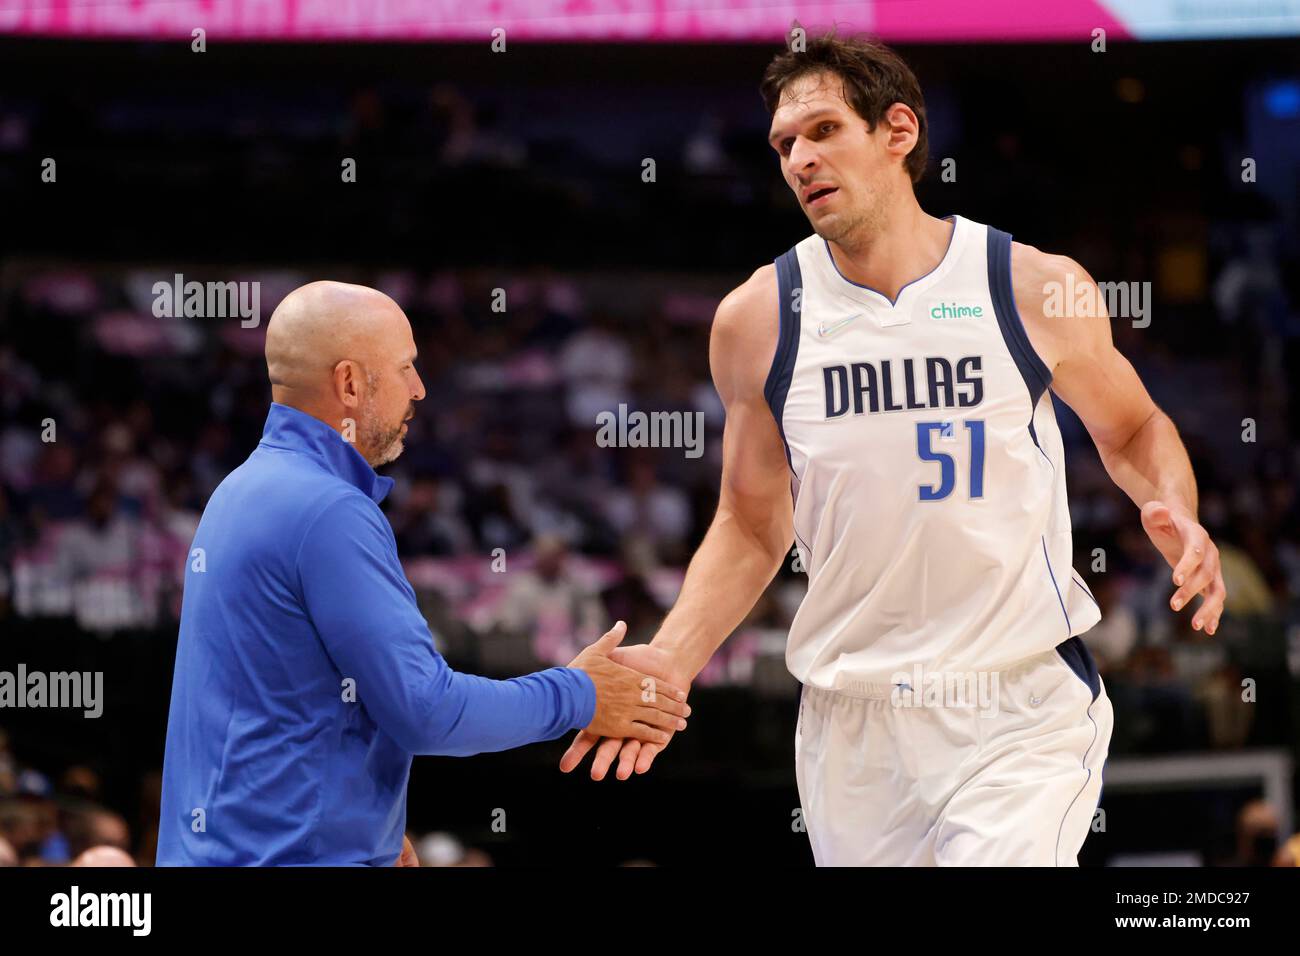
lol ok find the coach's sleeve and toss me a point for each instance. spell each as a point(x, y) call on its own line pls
point(366, 614)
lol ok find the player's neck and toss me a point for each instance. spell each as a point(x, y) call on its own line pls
point(904, 245)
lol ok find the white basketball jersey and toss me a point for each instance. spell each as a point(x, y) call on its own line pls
point(928, 471)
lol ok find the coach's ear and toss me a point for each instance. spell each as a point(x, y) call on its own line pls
point(348, 383)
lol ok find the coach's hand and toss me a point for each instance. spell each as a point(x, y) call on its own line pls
point(1195, 560)
point(632, 754)
point(628, 702)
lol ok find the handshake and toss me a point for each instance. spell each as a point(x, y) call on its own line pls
point(640, 704)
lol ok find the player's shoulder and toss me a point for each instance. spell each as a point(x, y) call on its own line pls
point(746, 318)
point(1036, 274)
point(742, 341)
point(1049, 287)
point(755, 296)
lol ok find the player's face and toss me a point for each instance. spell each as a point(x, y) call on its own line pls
point(836, 168)
point(392, 390)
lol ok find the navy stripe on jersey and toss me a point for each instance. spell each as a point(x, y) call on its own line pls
point(789, 286)
point(1037, 376)
point(1052, 574)
point(1075, 653)
point(1083, 587)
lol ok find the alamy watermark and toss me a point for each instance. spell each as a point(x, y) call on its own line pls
point(74, 908)
point(651, 430)
point(1086, 300)
point(966, 690)
point(59, 689)
point(208, 300)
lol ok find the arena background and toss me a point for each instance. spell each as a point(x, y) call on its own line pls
point(1171, 156)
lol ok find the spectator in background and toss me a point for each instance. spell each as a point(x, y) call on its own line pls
point(89, 827)
point(1250, 594)
point(427, 522)
point(147, 819)
point(54, 491)
point(23, 827)
point(36, 835)
point(8, 769)
point(100, 856)
point(1250, 295)
point(648, 509)
point(81, 782)
point(551, 604)
point(445, 850)
point(1113, 638)
point(597, 364)
point(1257, 831)
point(100, 555)
point(494, 518)
point(631, 598)
point(8, 548)
point(1228, 723)
point(1288, 854)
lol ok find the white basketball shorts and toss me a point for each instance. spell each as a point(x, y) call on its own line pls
point(931, 771)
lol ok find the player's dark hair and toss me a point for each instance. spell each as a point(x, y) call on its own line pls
point(874, 76)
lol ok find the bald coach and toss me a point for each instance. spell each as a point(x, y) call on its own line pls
point(306, 677)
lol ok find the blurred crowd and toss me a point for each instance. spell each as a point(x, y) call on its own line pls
point(64, 822)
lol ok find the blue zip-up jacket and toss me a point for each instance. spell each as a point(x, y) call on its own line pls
point(306, 677)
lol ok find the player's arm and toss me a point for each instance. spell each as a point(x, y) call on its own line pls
point(1138, 443)
point(754, 524)
point(751, 530)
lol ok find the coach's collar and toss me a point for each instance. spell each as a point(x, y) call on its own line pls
point(295, 430)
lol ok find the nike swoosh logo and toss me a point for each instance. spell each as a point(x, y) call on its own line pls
point(823, 329)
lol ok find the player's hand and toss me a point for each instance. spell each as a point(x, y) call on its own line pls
point(407, 857)
point(632, 754)
point(630, 703)
point(1193, 556)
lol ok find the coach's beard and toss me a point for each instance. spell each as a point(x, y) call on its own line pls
point(382, 444)
point(392, 445)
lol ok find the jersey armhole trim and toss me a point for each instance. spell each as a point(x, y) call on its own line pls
point(789, 292)
point(1036, 374)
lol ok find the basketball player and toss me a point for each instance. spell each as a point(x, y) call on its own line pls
point(886, 387)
